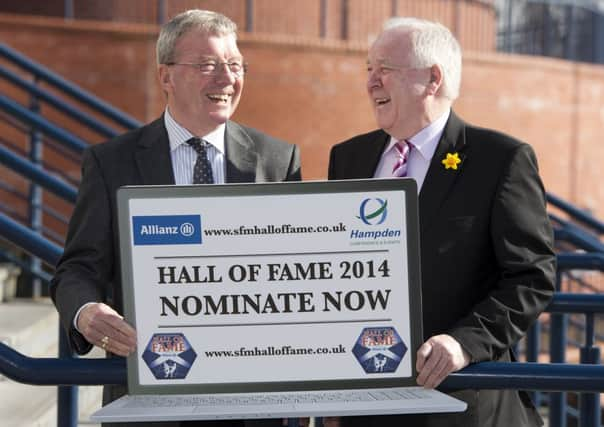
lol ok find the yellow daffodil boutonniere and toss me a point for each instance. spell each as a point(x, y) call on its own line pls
point(451, 161)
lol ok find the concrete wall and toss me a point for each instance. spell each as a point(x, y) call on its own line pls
point(311, 92)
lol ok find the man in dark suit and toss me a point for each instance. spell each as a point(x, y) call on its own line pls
point(201, 72)
point(488, 266)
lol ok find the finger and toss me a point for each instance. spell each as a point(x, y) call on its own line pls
point(124, 332)
point(108, 339)
point(438, 374)
point(118, 342)
point(118, 348)
point(102, 321)
point(422, 354)
point(429, 365)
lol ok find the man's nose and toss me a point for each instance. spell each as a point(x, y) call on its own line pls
point(373, 80)
point(224, 73)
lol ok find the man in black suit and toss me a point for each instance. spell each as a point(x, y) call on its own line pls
point(488, 265)
point(201, 72)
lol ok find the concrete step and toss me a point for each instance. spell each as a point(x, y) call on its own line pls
point(31, 327)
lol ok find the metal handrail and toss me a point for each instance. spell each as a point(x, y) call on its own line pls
point(59, 104)
point(578, 238)
point(37, 175)
point(68, 88)
point(580, 261)
point(38, 122)
point(576, 303)
point(577, 214)
point(485, 375)
point(29, 240)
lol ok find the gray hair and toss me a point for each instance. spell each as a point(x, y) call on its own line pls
point(432, 43)
point(205, 21)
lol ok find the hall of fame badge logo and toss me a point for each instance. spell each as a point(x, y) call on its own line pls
point(379, 350)
point(169, 356)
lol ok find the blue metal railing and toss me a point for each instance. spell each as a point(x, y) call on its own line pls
point(68, 109)
point(44, 74)
point(587, 304)
point(580, 261)
point(37, 126)
point(35, 121)
point(29, 240)
point(576, 214)
point(485, 375)
point(37, 175)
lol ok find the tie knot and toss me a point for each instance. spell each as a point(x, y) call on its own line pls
point(401, 150)
point(198, 144)
point(403, 147)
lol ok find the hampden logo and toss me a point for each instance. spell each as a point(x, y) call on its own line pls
point(379, 350)
point(169, 356)
point(166, 229)
point(373, 211)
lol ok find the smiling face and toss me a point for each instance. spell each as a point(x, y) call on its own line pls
point(396, 90)
point(201, 102)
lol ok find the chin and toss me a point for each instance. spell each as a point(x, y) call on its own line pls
point(384, 124)
point(220, 117)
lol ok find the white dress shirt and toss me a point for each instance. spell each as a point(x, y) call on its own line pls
point(423, 147)
point(184, 156)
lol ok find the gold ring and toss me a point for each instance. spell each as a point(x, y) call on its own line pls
point(105, 341)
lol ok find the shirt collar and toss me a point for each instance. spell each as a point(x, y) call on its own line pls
point(178, 135)
point(426, 140)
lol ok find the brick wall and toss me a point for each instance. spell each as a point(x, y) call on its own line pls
point(473, 21)
point(311, 92)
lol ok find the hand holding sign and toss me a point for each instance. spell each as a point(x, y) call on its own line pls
point(437, 358)
point(103, 326)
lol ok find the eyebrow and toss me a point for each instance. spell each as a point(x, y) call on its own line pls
point(378, 61)
point(215, 58)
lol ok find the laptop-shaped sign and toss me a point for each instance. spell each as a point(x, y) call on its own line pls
point(272, 300)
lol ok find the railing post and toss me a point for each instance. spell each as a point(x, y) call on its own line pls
point(533, 335)
point(67, 396)
point(557, 345)
point(35, 195)
point(589, 403)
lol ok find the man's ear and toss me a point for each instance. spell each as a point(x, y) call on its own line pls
point(165, 77)
point(436, 79)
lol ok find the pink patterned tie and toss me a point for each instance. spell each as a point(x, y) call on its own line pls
point(402, 150)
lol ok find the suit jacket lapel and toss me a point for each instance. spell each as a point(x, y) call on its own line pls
point(366, 159)
point(439, 180)
point(153, 155)
point(241, 156)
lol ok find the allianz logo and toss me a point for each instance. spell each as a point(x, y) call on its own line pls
point(186, 229)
